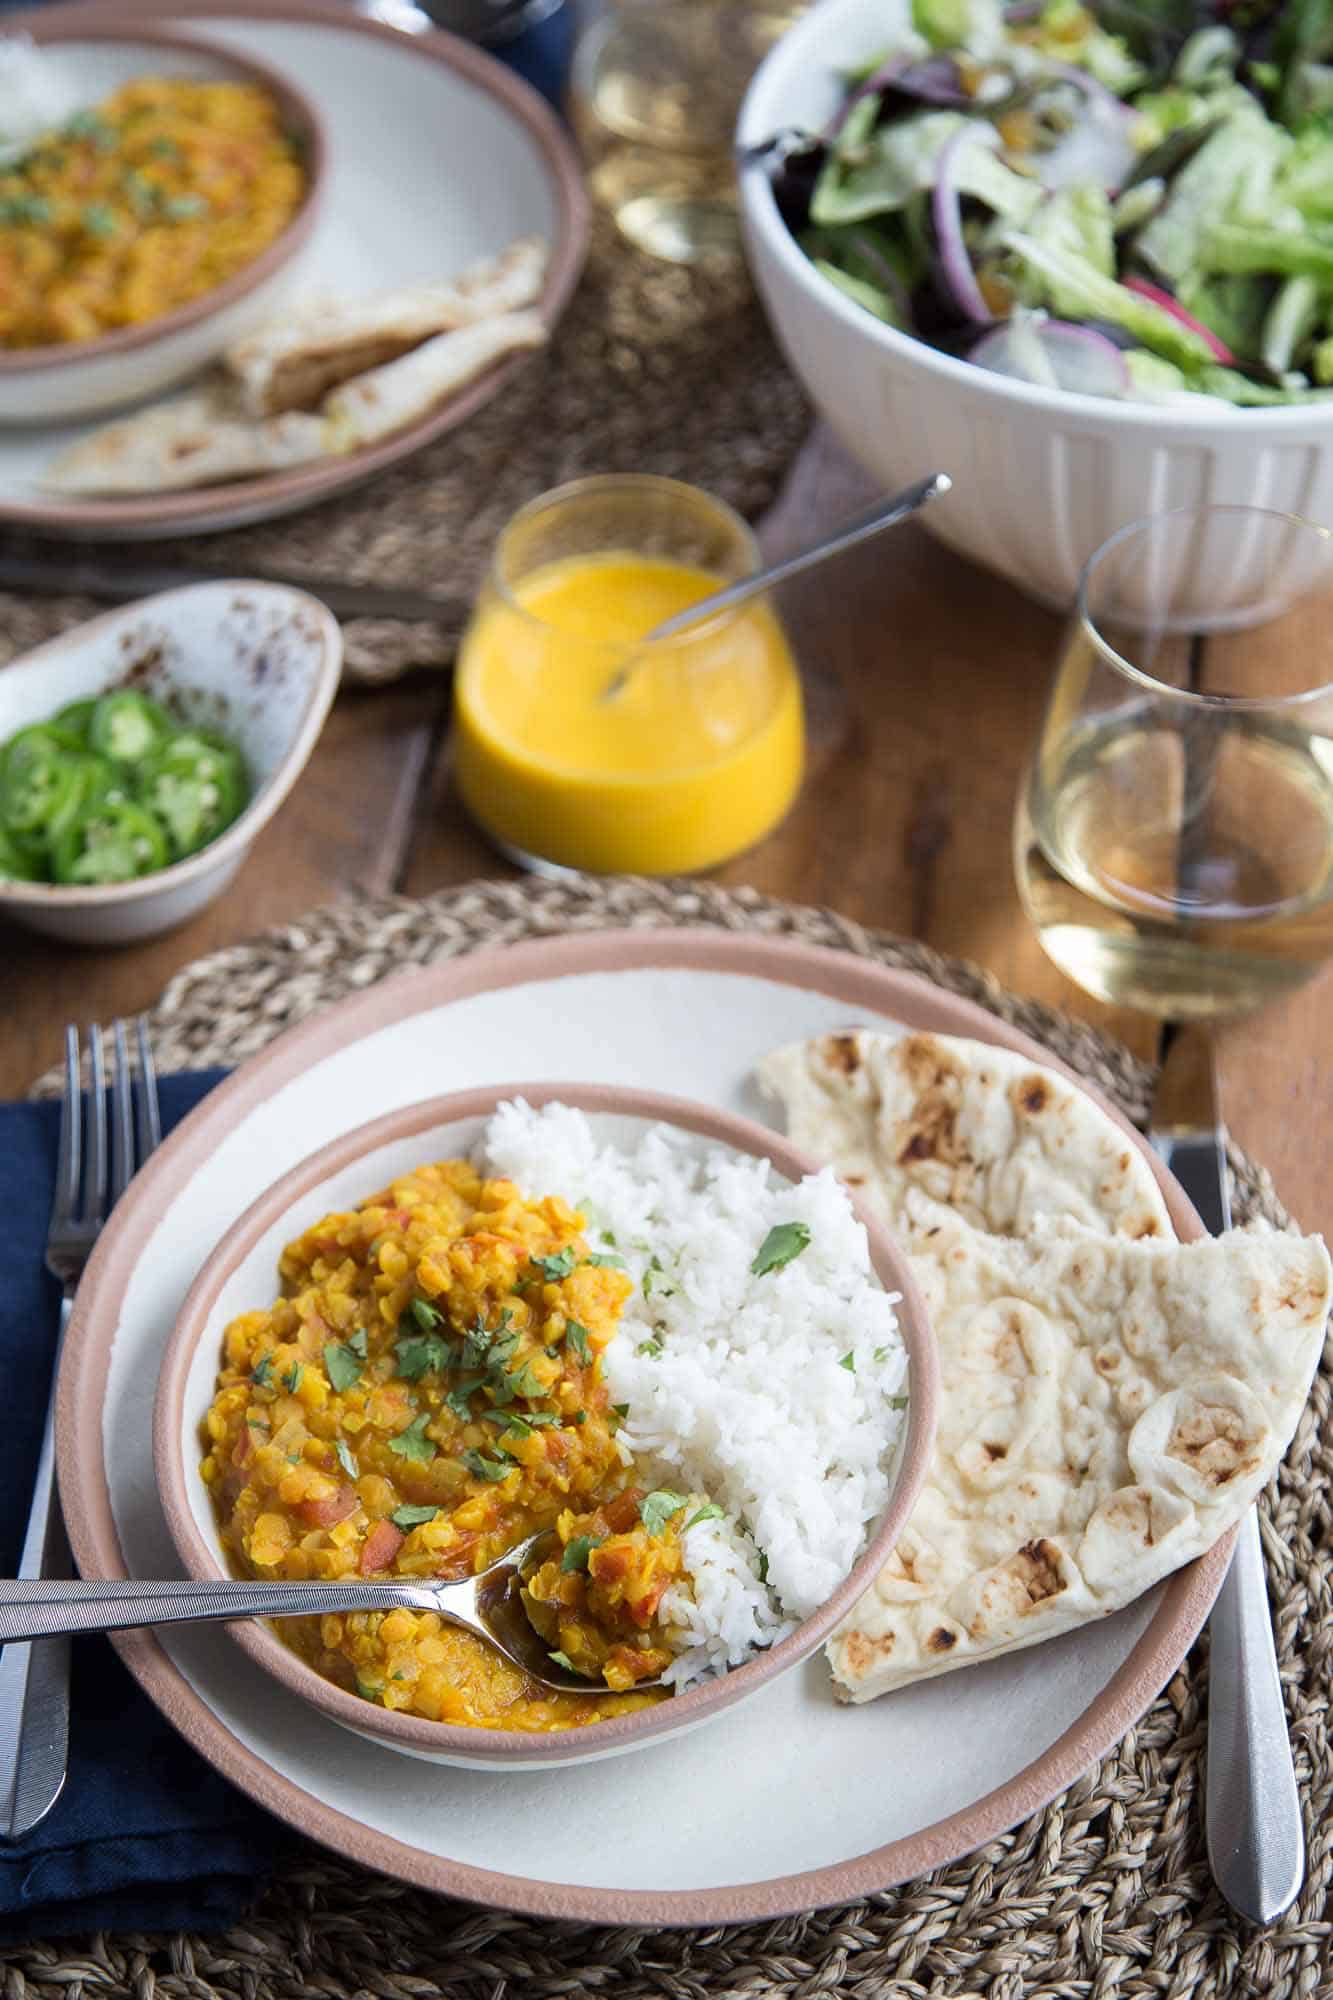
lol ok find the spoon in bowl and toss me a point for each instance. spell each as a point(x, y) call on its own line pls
point(489, 1605)
point(884, 514)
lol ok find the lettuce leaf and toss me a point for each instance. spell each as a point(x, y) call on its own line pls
point(1075, 289)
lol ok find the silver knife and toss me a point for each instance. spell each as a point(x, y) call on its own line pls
point(65, 573)
point(1252, 1809)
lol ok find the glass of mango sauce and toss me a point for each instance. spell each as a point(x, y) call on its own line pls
point(700, 751)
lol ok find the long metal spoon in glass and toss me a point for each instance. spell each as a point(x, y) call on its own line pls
point(491, 1605)
point(884, 514)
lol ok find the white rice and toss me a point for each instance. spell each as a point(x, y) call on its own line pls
point(36, 95)
point(739, 1387)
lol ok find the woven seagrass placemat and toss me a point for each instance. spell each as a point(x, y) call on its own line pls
point(1105, 1895)
point(654, 367)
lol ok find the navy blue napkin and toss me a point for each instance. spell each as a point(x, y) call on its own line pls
point(145, 1836)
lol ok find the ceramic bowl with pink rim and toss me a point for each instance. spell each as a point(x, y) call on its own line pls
point(84, 65)
point(241, 1275)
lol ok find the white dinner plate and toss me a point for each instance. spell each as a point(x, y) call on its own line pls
point(786, 1802)
point(438, 156)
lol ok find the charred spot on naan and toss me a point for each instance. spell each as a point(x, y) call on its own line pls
point(1217, 1443)
point(931, 1130)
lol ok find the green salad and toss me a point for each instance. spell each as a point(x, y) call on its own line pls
point(1116, 199)
point(110, 789)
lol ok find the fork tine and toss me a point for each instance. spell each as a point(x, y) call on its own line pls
point(94, 1189)
point(149, 1116)
point(122, 1137)
point(67, 1159)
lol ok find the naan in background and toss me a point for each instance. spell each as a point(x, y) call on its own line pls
point(1111, 1400)
point(292, 363)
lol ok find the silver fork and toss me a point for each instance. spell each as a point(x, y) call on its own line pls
point(34, 1679)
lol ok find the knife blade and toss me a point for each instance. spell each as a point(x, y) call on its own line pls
point(1252, 1809)
point(63, 573)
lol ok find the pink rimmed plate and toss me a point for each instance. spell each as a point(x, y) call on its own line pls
point(788, 1801)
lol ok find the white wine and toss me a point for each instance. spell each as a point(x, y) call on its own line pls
point(654, 95)
point(1181, 867)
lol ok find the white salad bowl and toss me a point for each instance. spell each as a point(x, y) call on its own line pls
point(1041, 477)
point(240, 1272)
point(257, 661)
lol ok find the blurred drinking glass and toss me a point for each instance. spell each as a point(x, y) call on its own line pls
point(654, 93)
point(1174, 836)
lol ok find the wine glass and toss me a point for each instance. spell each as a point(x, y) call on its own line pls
point(1174, 835)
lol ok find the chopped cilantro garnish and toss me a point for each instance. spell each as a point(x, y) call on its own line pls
point(522, 1427)
point(897, 1402)
point(580, 1418)
point(848, 1362)
point(783, 1242)
point(652, 1280)
point(652, 1348)
point(369, 1690)
point(184, 207)
point(557, 1266)
point(412, 1517)
point(291, 1381)
point(99, 220)
point(413, 1442)
point(258, 1424)
point(261, 1371)
point(420, 1354)
point(656, 1509)
point(621, 1410)
point(563, 1660)
point(577, 1552)
point(881, 1354)
point(427, 1316)
point(522, 1381)
point(608, 1236)
point(345, 1460)
point(605, 1259)
point(460, 1396)
point(483, 1467)
point(576, 1336)
point(712, 1512)
point(343, 1362)
point(763, 1566)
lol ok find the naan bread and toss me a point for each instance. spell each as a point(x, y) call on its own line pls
point(1112, 1400)
point(376, 405)
point(1001, 1139)
point(1109, 1409)
point(293, 362)
point(198, 440)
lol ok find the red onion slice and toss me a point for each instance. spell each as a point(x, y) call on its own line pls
point(1168, 304)
point(946, 213)
point(1054, 354)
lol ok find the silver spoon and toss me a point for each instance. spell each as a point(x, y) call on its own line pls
point(884, 514)
point(489, 1605)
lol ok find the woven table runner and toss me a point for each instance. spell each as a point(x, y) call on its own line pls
point(1105, 1895)
point(654, 368)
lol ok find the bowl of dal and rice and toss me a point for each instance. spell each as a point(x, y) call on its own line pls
point(653, 1327)
point(156, 194)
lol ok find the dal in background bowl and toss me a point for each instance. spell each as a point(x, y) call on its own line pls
point(1041, 477)
point(81, 378)
point(257, 661)
point(240, 1274)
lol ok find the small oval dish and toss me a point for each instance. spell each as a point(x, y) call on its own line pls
point(80, 378)
point(256, 662)
point(240, 1274)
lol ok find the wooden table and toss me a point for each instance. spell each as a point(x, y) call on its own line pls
point(904, 822)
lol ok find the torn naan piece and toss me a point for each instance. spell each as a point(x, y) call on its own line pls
point(292, 362)
point(197, 440)
point(1109, 1409)
point(1111, 1401)
point(1002, 1140)
point(376, 405)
